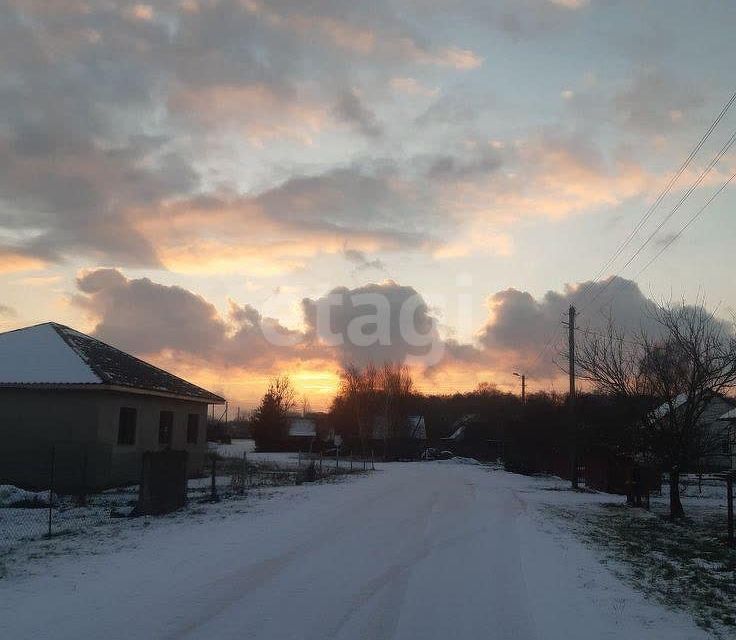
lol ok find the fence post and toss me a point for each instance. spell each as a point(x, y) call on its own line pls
point(213, 495)
point(320, 462)
point(337, 458)
point(729, 500)
point(51, 486)
point(243, 472)
point(82, 498)
point(299, 459)
point(373, 466)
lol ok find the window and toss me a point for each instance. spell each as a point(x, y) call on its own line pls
point(126, 425)
point(192, 428)
point(165, 427)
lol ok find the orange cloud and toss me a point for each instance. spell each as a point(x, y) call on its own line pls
point(412, 87)
point(12, 261)
point(364, 40)
point(550, 179)
point(142, 12)
point(257, 110)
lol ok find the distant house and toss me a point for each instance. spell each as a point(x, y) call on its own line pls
point(472, 436)
point(96, 407)
point(727, 453)
point(406, 441)
point(717, 427)
point(302, 433)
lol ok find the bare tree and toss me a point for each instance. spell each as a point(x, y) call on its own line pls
point(691, 360)
point(365, 394)
point(306, 406)
point(397, 387)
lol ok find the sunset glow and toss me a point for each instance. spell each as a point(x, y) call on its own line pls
point(191, 181)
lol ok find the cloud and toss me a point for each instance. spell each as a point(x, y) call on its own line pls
point(366, 33)
point(7, 312)
point(525, 333)
point(526, 18)
point(412, 87)
point(256, 111)
point(76, 194)
point(654, 100)
point(110, 111)
point(18, 260)
point(361, 262)
point(546, 176)
point(570, 4)
point(146, 317)
point(351, 109)
point(280, 228)
point(377, 323)
point(373, 323)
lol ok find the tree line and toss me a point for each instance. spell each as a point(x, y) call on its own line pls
point(644, 399)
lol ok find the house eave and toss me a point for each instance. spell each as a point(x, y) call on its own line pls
point(86, 386)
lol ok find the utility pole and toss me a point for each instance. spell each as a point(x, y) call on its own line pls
point(573, 422)
point(523, 386)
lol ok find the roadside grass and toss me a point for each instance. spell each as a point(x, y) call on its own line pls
point(685, 565)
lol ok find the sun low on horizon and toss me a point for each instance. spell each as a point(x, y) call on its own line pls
point(238, 189)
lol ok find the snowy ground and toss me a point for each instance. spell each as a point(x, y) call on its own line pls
point(423, 551)
point(685, 565)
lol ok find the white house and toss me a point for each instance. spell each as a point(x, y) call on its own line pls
point(718, 428)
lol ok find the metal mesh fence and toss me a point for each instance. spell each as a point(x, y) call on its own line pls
point(62, 494)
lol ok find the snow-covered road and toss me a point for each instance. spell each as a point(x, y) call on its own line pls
point(415, 551)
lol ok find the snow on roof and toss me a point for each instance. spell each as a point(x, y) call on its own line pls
point(461, 425)
point(38, 355)
point(303, 427)
point(417, 428)
point(716, 408)
point(51, 353)
point(662, 410)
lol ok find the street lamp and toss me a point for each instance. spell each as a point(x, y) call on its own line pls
point(523, 386)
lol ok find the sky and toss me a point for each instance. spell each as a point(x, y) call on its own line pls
point(196, 181)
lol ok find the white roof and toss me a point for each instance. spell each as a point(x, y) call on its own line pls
point(460, 426)
point(417, 428)
point(729, 415)
point(662, 410)
point(38, 355)
point(304, 427)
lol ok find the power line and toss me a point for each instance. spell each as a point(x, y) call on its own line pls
point(695, 216)
point(724, 149)
point(547, 344)
point(643, 220)
point(668, 187)
point(682, 230)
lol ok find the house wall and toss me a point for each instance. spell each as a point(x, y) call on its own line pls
point(720, 433)
point(32, 421)
point(81, 428)
point(148, 410)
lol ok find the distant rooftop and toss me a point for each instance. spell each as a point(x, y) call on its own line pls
point(55, 355)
